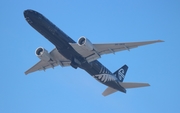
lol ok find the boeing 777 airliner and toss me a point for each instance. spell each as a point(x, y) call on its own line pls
point(82, 54)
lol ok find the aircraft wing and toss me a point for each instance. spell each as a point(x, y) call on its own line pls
point(58, 59)
point(101, 49)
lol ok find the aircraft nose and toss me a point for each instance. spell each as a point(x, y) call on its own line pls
point(28, 12)
point(25, 13)
point(32, 16)
point(28, 15)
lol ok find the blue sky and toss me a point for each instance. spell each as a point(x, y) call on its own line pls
point(68, 90)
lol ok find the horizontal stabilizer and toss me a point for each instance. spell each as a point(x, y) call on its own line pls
point(127, 85)
point(109, 91)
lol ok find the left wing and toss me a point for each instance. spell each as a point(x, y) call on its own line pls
point(58, 59)
point(101, 49)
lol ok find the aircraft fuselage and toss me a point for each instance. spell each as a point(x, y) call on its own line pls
point(61, 41)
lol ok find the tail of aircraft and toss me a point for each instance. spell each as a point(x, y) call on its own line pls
point(120, 74)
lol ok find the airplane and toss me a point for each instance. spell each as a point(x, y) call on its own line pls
point(82, 54)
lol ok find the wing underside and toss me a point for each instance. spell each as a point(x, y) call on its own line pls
point(101, 49)
point(58, 59)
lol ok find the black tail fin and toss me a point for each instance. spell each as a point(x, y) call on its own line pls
point(120, 73)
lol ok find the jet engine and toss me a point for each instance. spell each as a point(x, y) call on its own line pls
point(43, 54)
point(86, 43)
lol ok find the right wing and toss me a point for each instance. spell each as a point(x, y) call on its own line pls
point(58, 59)
point(101, 49)
point(115, 47)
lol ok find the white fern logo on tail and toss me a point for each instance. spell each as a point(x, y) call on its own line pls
point(105, 77)
point(121, 74)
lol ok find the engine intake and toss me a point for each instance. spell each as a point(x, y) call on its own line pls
point(86, 43)
point(43, 54)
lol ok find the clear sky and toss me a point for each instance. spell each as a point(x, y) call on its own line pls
point(66, 90)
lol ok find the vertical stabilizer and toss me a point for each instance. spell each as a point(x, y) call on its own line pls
point(120, 73)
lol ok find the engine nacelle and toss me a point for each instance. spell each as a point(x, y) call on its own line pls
point(43, 54)
point(86, 43)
